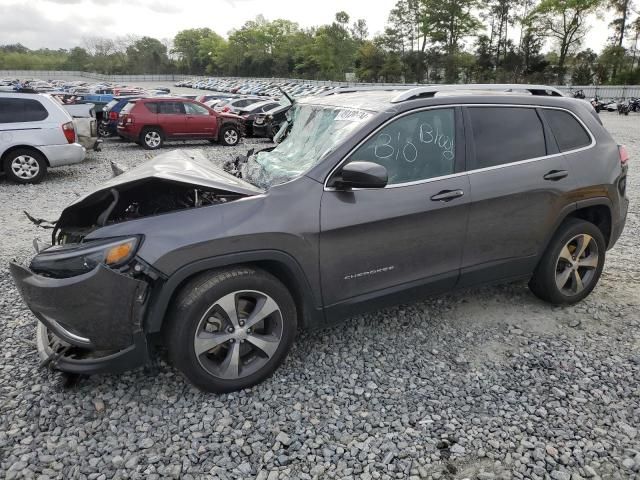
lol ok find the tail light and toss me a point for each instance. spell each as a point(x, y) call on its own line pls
point(226, 109)
point(624, 154)
point(69, 132)
point(113, 115)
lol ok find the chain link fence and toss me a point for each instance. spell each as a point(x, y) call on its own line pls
point(604, 92)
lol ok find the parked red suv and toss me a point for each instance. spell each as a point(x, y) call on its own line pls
point(151, 121)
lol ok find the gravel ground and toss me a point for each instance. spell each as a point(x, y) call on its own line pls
point(488, 383)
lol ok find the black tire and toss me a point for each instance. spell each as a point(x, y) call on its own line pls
point(195, 304)
point(35, 165)
point(103, 131)
point(152, 138)
point(543, 283)
point(229, 136)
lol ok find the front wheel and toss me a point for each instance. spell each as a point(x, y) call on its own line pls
point(229, 136)
point(572, 264)
point(230, 329)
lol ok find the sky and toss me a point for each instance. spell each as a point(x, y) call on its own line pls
point(64, 23)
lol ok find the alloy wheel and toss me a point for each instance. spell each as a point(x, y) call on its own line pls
point(230, 137)
point(103, 131)
point(577, 264)
point(238, 334)
point(152, 139)
point(25, 167)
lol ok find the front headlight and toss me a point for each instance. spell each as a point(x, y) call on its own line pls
point(62, 261)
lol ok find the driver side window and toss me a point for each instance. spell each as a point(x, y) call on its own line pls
point(415, 147)
point(193, 109)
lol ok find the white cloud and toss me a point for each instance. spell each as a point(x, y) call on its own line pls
point(63, 23)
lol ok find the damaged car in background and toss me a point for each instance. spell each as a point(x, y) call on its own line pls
point(374, 198)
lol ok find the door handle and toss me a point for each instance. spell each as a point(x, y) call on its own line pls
point(555, 175)
point(447, 195)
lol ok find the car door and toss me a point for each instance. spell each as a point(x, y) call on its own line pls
point(172, 118)
point(519, 183)
point(408, 235)
point(200, 123)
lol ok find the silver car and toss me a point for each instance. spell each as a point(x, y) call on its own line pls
point(36, 133)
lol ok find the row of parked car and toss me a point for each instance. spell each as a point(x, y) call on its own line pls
point(150, 121)
point(255, 87)
point(56, 127)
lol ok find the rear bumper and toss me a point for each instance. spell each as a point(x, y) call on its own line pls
point(128, 133)
point(618, 224)
point(98, 315)
point(59, 155)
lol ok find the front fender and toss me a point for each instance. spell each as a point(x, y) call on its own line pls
point(161, 297)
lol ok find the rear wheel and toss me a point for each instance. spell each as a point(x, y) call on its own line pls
point(25, 166)
point(572, 264)
point(229, 136)
point(230, 329)
point(103, 130)
point(152, 138)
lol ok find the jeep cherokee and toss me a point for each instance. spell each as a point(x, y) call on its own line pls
point(375, 197)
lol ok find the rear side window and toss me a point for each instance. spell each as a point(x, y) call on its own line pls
point(506, 134)
point(152, 106)
point(569, 134)
point(20, 110)
point(128, 107)
point(170, 108)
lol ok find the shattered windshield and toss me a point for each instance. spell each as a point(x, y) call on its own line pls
point(316, 131)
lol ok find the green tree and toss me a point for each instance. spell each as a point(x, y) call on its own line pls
point(187, 45)
point(78, 59)
point(565, 22)
point(147, 55)
point(622, 9)
point(369, 61)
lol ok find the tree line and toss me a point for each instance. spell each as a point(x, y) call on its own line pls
point(424, 41)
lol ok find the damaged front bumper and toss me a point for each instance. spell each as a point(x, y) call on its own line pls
point(93, 321)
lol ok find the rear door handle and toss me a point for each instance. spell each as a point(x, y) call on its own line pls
point(555, 175)
point(447, 195)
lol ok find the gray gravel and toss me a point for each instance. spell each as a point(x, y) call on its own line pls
point(483, 384)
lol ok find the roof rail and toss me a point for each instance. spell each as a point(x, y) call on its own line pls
point(431, 90)
point(367, 88)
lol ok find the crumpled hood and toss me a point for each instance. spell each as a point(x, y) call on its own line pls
point(183, 166)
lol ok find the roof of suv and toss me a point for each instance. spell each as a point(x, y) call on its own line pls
point(376, 99)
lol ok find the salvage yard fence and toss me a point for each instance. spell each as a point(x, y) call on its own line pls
point(603, 91)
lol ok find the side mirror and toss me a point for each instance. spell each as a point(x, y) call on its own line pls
point(362, 175)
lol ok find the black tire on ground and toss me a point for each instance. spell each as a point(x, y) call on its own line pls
point(543, 283)
point(151, 138)
point(229, 136)
point(195, 306)
point(24, 165)
point(104, 131)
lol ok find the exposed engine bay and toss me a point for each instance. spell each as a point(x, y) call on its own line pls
point(173, 181)
point(154, 197)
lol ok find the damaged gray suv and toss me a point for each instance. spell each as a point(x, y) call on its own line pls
point(374, 198)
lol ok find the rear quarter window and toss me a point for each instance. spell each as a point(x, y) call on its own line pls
point(506, 134)
point(21, 110)
point(111, 104)
point(569, 133)
point(128, 107)
point(152, 107)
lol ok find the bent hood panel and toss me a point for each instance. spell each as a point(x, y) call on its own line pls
point(183, 166)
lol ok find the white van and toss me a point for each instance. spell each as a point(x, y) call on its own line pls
point(36, 133)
